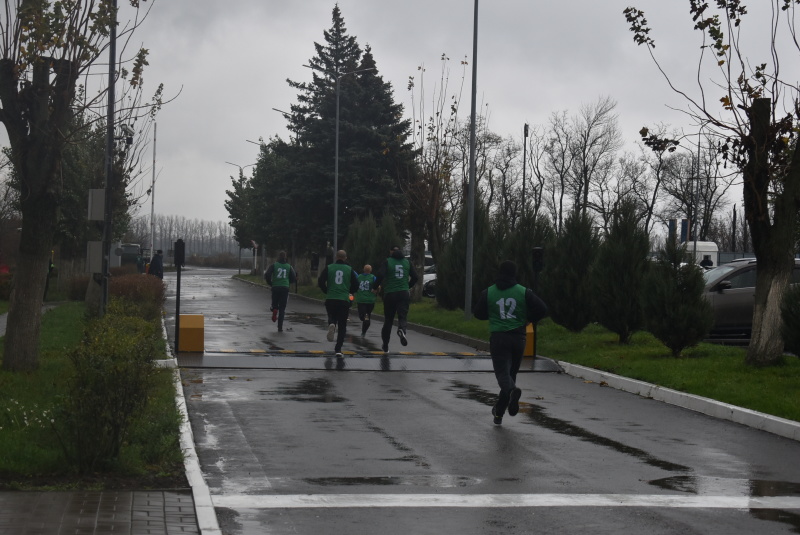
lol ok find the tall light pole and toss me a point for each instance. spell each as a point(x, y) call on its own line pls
point(524, 161)
point(471, 195)
point(153, 200)
point(109, 197)
point(337, 76)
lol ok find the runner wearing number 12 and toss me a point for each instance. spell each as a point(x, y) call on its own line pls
point(338, 281)
point(509, 307)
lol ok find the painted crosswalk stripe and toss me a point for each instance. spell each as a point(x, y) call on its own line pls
point(301, 501)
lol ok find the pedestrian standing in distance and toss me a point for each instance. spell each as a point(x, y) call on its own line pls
point(365, 297)
point(337, 281)
point(509, 307)
point(279, 276)
point(397, 276)
point(157, 265)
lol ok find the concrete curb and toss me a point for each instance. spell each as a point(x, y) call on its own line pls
point(204, 510)
point(203, 506)
point(724, 411)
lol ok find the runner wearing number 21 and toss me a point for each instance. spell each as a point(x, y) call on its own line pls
point(509, 307)
point(338, 281)
point(280, 276)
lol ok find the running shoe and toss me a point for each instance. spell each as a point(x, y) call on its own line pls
point(331, 330)
point(274, 315)
point(498, 420)
point(513, 402)
point(402, 335)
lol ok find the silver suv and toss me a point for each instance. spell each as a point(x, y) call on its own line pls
point(731, 288)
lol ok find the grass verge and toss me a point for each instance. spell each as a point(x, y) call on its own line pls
point(30, 454)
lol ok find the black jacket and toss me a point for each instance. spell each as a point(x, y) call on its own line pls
point(536, 309)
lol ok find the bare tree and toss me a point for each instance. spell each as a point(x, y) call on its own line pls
point(595, 142)
point(759, 119)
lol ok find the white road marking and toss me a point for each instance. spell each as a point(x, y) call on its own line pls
point(300, 501)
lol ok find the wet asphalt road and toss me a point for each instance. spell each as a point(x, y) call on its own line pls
point(290, 445)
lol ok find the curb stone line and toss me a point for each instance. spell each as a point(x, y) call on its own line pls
point(724, 411)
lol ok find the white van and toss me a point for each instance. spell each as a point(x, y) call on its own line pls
point(701, 249)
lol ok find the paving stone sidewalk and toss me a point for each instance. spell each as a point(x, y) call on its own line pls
point(97, 512)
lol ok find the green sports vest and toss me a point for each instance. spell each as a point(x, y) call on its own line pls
point(396, 275)
point(280, 274)
point(366, 282)
point(507, 308)
point(339, 281)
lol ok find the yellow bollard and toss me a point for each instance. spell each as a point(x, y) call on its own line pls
point(530, 340)
point(191, 334)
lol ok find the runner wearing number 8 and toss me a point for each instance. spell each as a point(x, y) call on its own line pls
point(509, 307)
point(397, 276)
point(279, 276)
point(338, 281)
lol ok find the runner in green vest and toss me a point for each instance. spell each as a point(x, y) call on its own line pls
point(365, 297)
point(397, 276)
point(338, 281)
point(279, 276)
point(509, 307)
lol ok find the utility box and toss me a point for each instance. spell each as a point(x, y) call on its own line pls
point(530, 340)
point(191, 334)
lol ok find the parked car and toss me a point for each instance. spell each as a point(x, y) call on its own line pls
point(429, 281)
point(731, 288)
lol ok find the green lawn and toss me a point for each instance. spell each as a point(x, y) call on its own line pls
point(708, 370)
point(30, 454)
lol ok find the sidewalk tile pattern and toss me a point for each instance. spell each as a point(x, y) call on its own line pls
point(98, 512)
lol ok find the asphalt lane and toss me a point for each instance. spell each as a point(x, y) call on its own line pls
point(307, 449)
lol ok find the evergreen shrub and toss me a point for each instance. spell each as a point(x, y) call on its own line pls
point(618, 273)
point(673, 305)
point(112, 376)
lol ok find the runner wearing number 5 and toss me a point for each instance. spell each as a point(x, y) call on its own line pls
point(397, 276)
point(509, 307)
point(279, 276)
point(338, 281)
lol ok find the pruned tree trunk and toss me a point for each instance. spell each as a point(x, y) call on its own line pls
point(772, 221)
point(25, 310)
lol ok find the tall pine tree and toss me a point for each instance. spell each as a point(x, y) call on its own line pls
point(374, 153)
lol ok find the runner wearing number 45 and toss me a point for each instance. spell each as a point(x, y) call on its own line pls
point(338, 281)
point(509, 307)
point(397, 276)
point(365, 298)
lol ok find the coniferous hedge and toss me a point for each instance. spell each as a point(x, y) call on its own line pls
point(674, 308)
point(618, 273)
point(566, 279)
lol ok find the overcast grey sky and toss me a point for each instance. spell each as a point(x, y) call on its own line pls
point(535, 57)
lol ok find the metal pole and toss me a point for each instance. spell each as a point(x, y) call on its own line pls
point(336, 175)
point(696, 197)
point(471, 195)
point(108, 197)
point(524, 162)
point(153, 200)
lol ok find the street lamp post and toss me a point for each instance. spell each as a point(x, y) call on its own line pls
point(471, 193)
point(337, 76)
